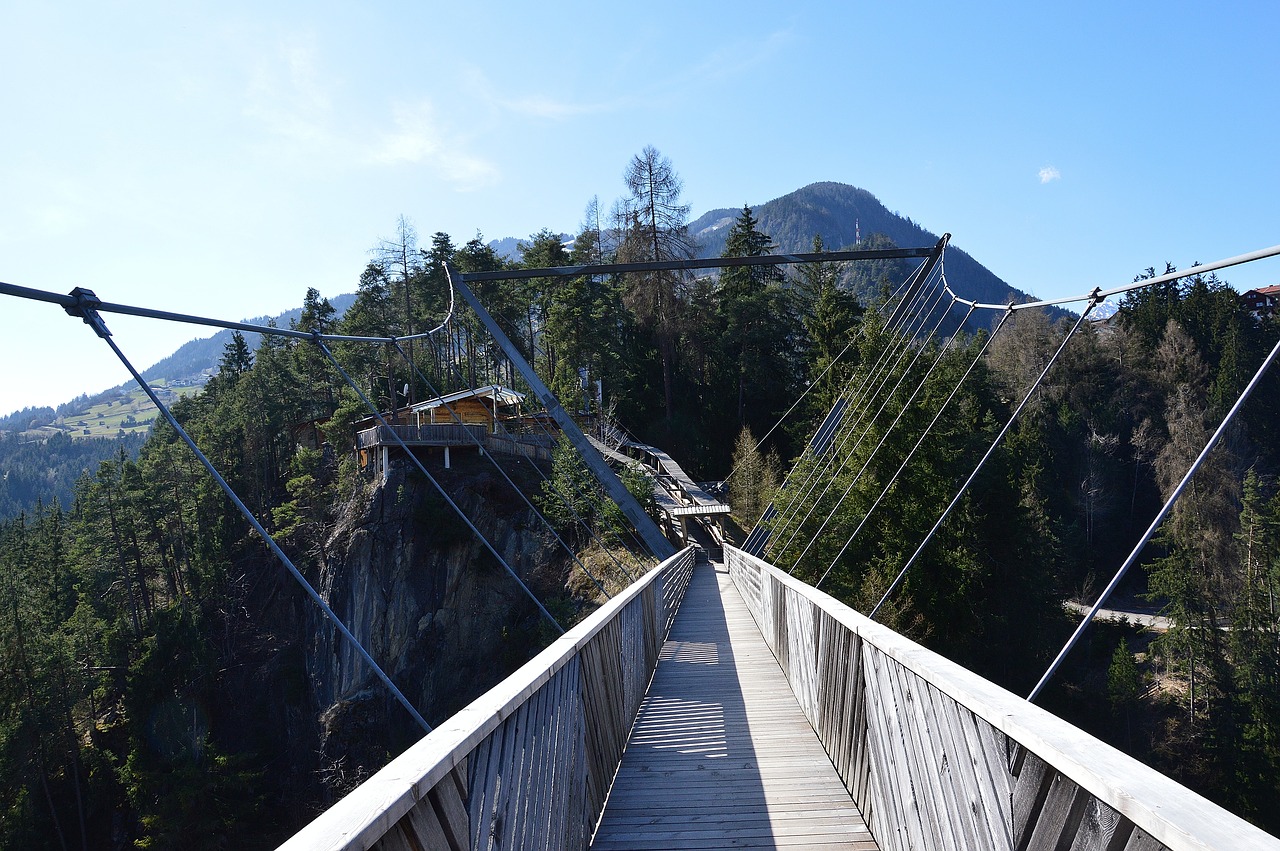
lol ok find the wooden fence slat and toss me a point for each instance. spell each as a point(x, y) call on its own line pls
point(1101, 828)
point(451, 808)
point(427, 829)
point(963, 796)
point(900, 785)
point(985, 759)
point(922, 747)
point(394, 840)
point(1063, 806)
point(1140, 840)
point(1029, 793)
point(497, 832)
point(527, 806)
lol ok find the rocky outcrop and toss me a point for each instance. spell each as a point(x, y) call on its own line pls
point(428, 601)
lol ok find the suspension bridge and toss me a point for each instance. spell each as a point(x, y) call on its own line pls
point(717, 701)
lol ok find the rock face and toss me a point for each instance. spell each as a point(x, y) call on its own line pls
point(429, 602)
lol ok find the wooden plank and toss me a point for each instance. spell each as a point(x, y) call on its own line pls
point(858, 730)
point(885, 813)
point(986, 762)
point(899, 805)
point(992, 745)
point(924, 758)
point(1029, 794)
point(1101, 828)
point(531, 804)
point(1059, 817)
point(1140, 840)
point(562, 820)
point(394, 840)
point(958, 782)
point(496, 833)
point(426, 828)
point(450, 808)
point(1164, 809)
point(484, 788)
point(721, 753)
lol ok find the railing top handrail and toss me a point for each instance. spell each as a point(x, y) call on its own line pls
point(375, 805)
point(1164, 808)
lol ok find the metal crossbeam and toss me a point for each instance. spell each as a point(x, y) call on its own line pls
point(643, 524)
point(705, 263)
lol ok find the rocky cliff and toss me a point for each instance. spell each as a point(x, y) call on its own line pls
point(429, 602)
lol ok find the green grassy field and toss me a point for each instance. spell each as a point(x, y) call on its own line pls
point(130, 414)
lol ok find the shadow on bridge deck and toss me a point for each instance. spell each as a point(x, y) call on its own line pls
point(721, 755)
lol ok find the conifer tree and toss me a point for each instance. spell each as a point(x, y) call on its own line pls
point(653, 227)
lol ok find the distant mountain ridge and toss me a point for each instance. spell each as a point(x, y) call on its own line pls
point(838, 211)
point(189, 362)
point(192, 358)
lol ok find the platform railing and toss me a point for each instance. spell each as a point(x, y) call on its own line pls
point(937, 757)
point(436, 434)
point(529, 763)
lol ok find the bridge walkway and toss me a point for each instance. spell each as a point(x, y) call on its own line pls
point(721, 755)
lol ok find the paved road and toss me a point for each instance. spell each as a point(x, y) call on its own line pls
point(1150, 621)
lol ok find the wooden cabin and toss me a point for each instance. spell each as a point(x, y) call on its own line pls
point(487, 406)
point(485, 418)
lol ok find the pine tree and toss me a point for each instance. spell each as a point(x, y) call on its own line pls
point(653, 226)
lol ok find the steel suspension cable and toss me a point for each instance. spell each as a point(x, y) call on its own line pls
point(758, 531)
point(870, 422)
point(879, 375)
point(929, 428)
point(464, 381)
point(422, 469)
point(639, 545)
point(841, 429)
point(848, 392)
point(84, 305)
point(990, 451)
point(862, 327)
point(902, 410)
point(1159, 518)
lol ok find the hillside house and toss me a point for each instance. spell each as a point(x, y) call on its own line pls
point(487, 418)
point(1261, 302)
point(488, 406)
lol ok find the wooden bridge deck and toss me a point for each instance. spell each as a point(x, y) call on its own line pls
point(721, 755)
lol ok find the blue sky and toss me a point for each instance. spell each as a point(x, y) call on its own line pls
point(220, 158)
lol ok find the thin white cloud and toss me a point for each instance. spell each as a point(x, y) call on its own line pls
point(535, 105)
point(289, 96)
point(734, 59)
point(1048, 174)
point(419, 138)
point(543, 106)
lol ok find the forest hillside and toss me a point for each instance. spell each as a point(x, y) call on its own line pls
point(167, 683)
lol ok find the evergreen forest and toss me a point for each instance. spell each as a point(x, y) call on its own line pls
point(148, 682)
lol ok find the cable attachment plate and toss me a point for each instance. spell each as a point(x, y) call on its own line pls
point(86, 307)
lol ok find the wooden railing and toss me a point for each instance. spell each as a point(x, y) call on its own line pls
point(529, 763)
point(445, 434)
point(939, 758)
point(538, 447)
